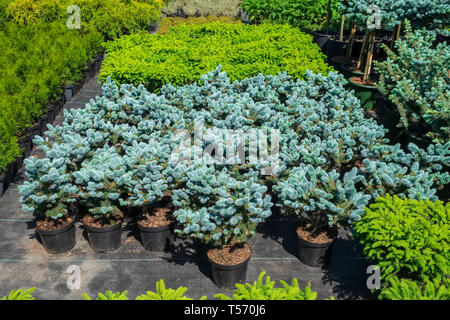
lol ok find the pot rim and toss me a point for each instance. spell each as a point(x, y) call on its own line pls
point(57, 231)
point(230, 267)
point(154, 229)
point(372, 88)
point(103, 229)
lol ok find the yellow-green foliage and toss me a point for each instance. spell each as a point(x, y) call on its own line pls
point(167, 23)
point(189, 51)
point(20, 294)
point(204, 8)
point(112, 17)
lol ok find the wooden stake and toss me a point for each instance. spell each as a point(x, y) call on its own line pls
point(341, 33)
point(350, 41)
point(363, 53)
point(368, 62)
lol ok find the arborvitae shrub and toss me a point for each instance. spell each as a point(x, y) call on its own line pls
point(403, 289)
point(40, 59)
point(189, 51)
point(8, 145)
point(415, 78)
point(112, 18)
point(407, 239)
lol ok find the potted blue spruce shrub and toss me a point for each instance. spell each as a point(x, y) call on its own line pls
point(100, 190)
point(149, 184)
point(222, 212)
point(47, 194)
point(339, 161)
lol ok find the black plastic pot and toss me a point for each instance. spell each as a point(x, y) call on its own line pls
point(227, 276)
point(43, 124)
point(68, 92)
point(60, 240)
point(25, 144)
point(92, 69)
point(51, 114)
point(155, 239)
point(321, 38)
point(17, 165)
point(105, 239)
point(2, 184)
point(338, 61)
point(9, 174)
point(314, 254)
point(348, 72)
point(336, 48)
point(35, 131)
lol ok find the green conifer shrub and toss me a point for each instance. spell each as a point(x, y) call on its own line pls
point(415, 78)
point(264, 290)
point(189, 51)
point(408, 240)
point(20, 294)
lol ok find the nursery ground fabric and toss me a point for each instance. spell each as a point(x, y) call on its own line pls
point(25, 263)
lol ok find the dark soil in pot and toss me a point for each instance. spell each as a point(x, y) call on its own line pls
point(229, 264)
point(315, 251)
point(103, 237)
point(155, 229)
point(57, 236)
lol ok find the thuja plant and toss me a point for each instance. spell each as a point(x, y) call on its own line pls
point(217, 208)
point(407, 238)
point(403, 289)
point(415, 78)
point(263, 289)
point(20, 294)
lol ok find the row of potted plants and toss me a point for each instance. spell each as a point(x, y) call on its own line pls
point(121, 154)
point(26, 142)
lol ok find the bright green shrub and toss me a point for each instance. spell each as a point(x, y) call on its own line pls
point(261, 290)
point(20, 294)
point(40, 59)
point(203, 8)
point(305, 14)
point(187, 52)
point(403, 289)
point(416, 79)
point(108, 295)
point(165, 294)
point(8, 144)
point(167, 23)
point(407, 238)
point(112, 18)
